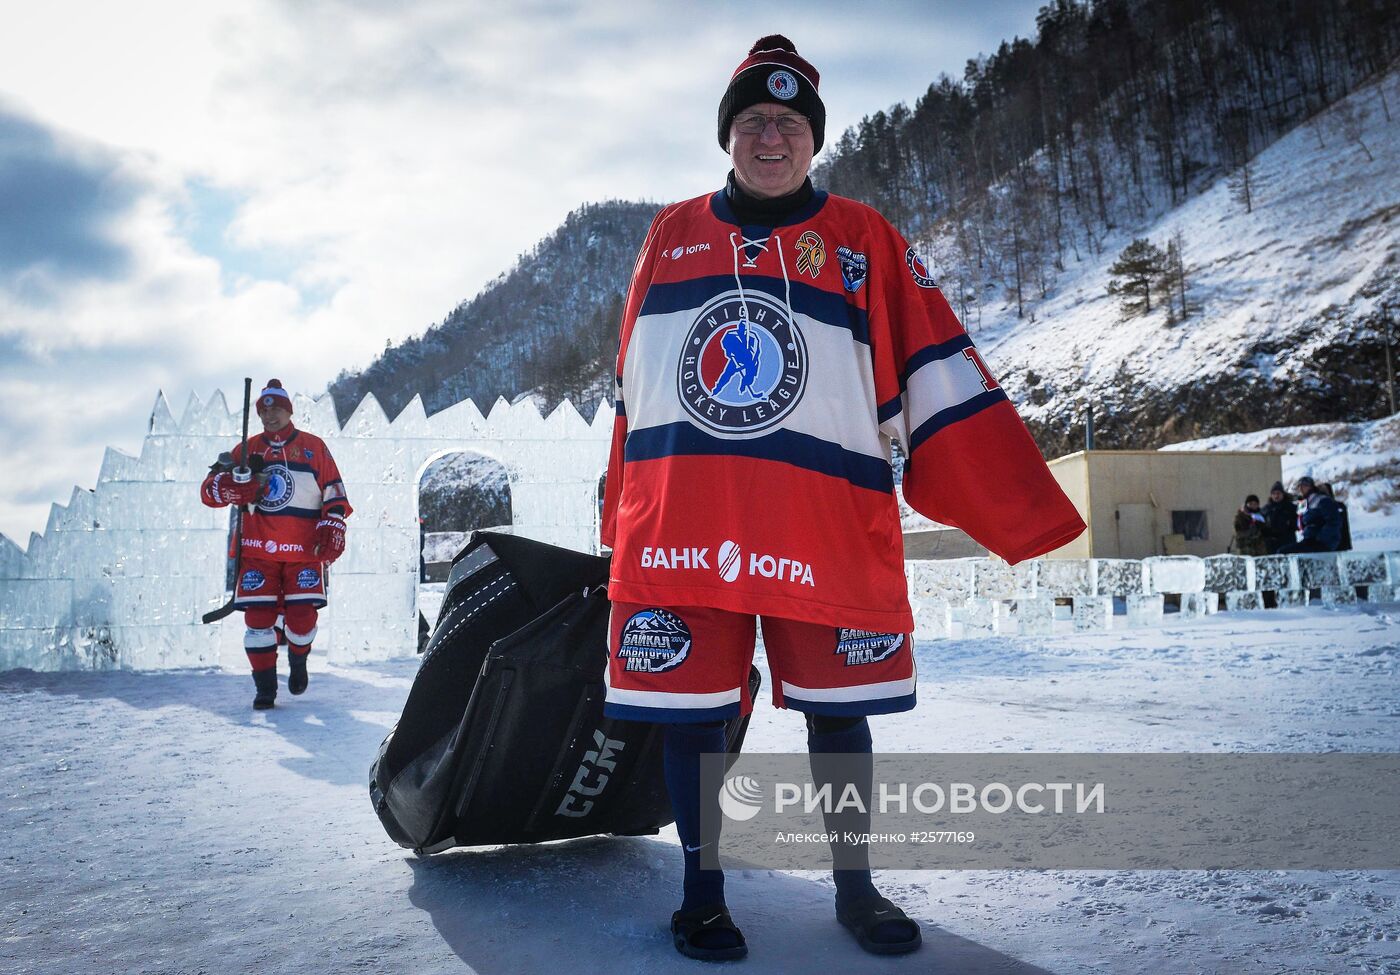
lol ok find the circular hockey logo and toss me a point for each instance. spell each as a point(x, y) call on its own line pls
point(919, 271)
point(278, 488)
point(783, 85)
point(744, 364)
point(653, 641)
point(308, 579)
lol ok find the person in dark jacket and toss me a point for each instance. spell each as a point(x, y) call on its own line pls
point(1280, 519)
point(1345, 544)
point(1249, 529)
point(1320, 518)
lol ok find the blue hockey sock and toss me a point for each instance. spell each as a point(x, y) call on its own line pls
point(845, 737)
point(684, 744)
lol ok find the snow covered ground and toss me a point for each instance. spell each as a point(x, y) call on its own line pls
point(153, 823)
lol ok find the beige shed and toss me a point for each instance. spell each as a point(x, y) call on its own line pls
point(1153, 502)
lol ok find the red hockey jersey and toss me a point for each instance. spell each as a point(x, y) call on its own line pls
point(300, 481)
point(761, 376)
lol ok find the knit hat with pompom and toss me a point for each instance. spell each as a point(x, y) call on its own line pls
point(274, 395)
point(773, 72)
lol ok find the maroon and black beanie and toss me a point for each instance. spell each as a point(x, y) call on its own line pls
point(274, 395)
point(773, 72)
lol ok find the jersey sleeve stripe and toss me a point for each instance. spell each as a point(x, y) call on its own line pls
point(943, 383)
point(933, 353)
point(784, 446)
point(952, 414)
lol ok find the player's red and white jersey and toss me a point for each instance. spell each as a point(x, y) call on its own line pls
point(300, 481)
point(761, 376)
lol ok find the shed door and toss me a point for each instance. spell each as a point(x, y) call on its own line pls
point(1137, 532)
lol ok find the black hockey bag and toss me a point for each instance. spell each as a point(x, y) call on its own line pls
point(503, 739)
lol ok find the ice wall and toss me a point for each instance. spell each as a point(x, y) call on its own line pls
point(123, 572)
point(965, 598)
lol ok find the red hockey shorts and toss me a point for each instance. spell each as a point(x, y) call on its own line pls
point(263, 583)
point(691, 663)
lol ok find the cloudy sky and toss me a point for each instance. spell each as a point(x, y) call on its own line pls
point(194, 192)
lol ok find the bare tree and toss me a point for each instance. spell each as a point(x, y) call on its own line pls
point(1175, 275)
point(1350, 120)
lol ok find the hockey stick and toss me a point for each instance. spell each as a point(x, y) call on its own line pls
point(213, 616)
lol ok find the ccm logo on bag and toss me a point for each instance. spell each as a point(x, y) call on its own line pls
point(591, 777)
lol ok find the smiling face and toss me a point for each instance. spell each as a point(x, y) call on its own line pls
point(273, 418)
point(770, 164)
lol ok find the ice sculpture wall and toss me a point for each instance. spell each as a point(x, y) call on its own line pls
point(983, 597)
point(122, 573)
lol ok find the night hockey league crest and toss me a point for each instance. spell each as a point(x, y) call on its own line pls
point(854, 267)
point(278, 488)
point(742, 374)
point(783, 85)
point(864, 646)
point(653, 641)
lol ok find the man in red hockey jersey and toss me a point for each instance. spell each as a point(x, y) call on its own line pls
point(775, 340)
point(294, 527)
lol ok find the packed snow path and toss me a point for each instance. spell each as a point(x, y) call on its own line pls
point(153, 823)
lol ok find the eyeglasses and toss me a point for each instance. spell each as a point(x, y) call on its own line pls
point(755, 124)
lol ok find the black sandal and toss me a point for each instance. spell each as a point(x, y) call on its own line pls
point(708, 934)
point(866, 917)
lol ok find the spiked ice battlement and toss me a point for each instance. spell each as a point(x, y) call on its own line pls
point(123, 572)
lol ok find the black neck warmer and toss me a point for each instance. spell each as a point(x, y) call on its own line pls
point(767, 213)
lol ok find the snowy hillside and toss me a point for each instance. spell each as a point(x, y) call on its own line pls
point(460, 492)
point(1360, 460)
point(1281, 298)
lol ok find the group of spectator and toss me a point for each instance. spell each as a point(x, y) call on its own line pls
point(1314, 521)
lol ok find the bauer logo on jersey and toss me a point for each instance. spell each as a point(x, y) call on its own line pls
point(783, 85)
point(278, 488)
point(252, 581)
point(653, 641)
point(854, 267)
point(866, 646)
point(738, 373)
point(308, 579)
point(917, 268)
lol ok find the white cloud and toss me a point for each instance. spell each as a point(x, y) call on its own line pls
point(377, 163)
